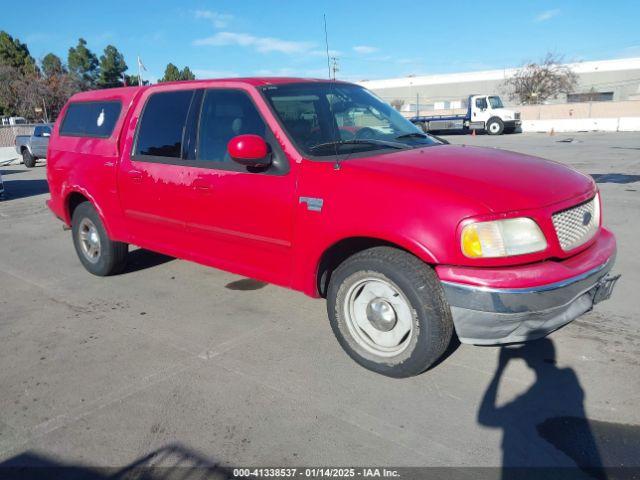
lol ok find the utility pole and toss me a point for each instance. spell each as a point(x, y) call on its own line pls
point(335, 67)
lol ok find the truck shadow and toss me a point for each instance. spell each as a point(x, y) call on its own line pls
point(615, 178)
point(546, 427)
point(14, 189)
point(141, 259)
point(173, 461)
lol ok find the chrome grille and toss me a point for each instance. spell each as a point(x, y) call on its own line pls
point(577, 225)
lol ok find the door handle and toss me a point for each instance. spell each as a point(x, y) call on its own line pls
point(135, 175)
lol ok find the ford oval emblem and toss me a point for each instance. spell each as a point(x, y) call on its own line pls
point(586, 218)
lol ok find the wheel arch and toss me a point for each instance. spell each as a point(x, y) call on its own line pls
point(344, 248)
point(74, 197)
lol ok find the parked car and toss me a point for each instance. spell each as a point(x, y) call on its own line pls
point(34, 146)
point(409, 239)
point(12, 120)
point(484, 113)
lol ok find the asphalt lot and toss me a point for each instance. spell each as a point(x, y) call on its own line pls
point(103, 371)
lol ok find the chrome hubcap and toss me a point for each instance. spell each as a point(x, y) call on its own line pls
point(378, 316)
point(89, 240)
point(381, 314)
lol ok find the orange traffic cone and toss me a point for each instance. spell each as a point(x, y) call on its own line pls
point(552, 132)
point(473, 132)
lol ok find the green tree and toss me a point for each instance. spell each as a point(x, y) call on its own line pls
point(14, 53)
point(132, 81)
point(52, 65)
point(83, 65)
point(112, 66)
point(187, 74)
point(171, 74)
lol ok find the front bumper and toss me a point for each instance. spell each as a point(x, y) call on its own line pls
point(484, 315)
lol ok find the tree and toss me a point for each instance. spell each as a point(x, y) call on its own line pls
point(397, 103)
point(83, 65)
point(112, 66)
point(187, 74)
point(15, 54)
point(133, 81)
point(174, 74)
point(171, 74)
point(537, 82)
point(52, 65)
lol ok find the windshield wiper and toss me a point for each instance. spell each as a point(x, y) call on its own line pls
point(411, 135)
point(383, 143)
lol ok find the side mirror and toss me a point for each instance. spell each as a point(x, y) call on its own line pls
point(250, 151)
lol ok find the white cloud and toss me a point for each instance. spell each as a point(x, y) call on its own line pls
point(206, 73)
point(260, 44)
point(219, 20)
point(364, 49)
point(547, 15)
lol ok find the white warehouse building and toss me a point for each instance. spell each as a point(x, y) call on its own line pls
point(606, 80)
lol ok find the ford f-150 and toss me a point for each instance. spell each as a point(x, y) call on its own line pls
point(321, 187)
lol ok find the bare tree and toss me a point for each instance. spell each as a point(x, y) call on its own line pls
point(397, 103)
point(537, 82)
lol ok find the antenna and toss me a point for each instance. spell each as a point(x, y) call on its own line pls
point(326, 43)
point(336, 165)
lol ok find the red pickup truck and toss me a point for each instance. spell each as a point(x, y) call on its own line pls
point(322, 187)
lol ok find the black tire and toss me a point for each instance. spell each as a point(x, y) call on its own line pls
point(112, 256)
point(432, 326)
point(28, 159)
point(494, 126)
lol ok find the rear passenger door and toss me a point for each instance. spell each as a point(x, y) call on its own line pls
point(154, 180)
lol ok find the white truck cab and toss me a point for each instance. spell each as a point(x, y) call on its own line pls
point(488, 113)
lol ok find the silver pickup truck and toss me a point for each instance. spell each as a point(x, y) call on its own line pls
point(34, 146)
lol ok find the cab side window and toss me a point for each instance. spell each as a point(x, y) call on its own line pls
point(225, 114)
point(481, 103)
point(162, 127)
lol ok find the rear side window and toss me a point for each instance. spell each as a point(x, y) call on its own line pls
point(161, 130)
point(90, 119)
point(41, 131)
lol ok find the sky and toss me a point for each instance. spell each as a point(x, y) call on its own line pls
point(372, 39)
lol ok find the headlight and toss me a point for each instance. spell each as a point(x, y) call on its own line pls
point(502, 238)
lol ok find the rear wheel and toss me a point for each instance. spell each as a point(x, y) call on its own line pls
point(98, 253)
point(28, 159)
point(388, 311)
point(495, 126)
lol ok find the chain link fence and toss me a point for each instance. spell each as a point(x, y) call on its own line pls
point(8, 133)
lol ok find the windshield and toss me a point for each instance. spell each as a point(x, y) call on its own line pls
point(325, 119)
point(495, 102)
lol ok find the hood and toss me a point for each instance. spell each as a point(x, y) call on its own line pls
point(503, 181)
point(505, 113)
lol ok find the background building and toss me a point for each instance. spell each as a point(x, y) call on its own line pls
point(607, 80)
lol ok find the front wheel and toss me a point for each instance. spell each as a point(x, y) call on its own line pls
point(28, 159)
point(495, 126)
point(388, 311)
point(98, 253)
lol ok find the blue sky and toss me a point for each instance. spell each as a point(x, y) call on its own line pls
point(373, 39)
